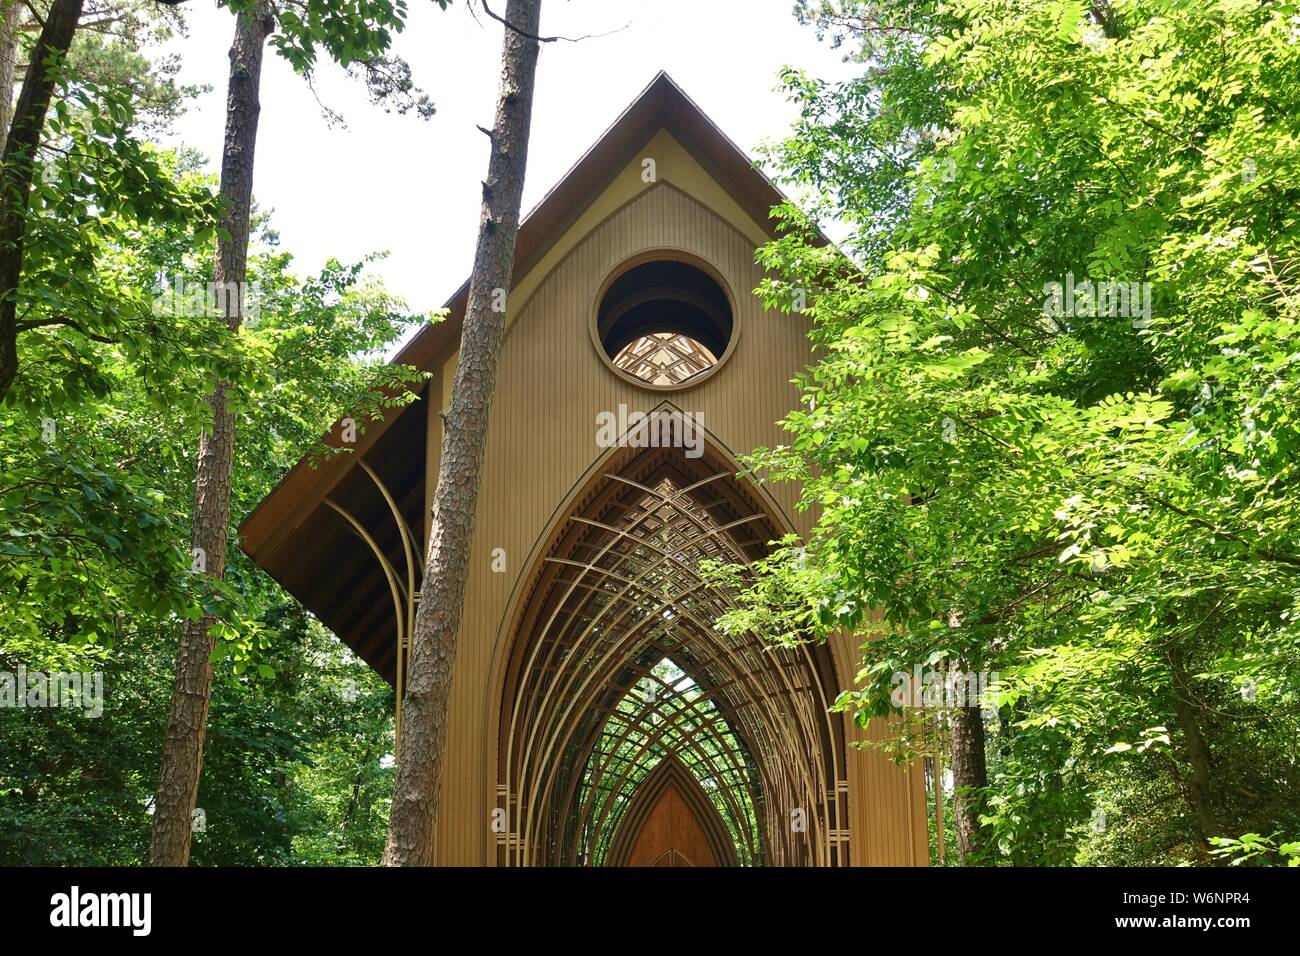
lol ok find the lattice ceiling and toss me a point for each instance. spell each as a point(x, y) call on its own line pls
point(619, 667)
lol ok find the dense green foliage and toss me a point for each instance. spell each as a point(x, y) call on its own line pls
point(95, 577)
point(97, 442)
point(1093, 500)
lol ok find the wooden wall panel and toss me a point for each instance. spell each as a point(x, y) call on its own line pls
point(887, 813)
point(542, 440)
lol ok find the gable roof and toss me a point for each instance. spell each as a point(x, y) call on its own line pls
point(295, 511)
point(661, 105)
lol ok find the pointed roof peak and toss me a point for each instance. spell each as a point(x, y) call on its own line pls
point(661, 105)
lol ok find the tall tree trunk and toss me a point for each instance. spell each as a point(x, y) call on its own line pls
point(1199, 792)
point(187, 721)
point(442, 598)
point(354, 801)
point(969, 773)
point(20, 168)
point(10, 15)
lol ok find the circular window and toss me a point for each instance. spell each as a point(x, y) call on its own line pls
point(665, 323)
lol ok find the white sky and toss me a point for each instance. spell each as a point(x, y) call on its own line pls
point(411, 188)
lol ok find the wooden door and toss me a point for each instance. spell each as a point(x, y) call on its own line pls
point(670, 821)
point(671, 835)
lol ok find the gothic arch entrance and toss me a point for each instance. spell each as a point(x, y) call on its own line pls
point(584, 667)
point(631, 730)
point(670, 822)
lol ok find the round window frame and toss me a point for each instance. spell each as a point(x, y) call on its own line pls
point(664, 255)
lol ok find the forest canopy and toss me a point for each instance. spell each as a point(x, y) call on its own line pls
point(1052, 433)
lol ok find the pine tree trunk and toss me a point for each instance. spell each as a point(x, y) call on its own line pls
point(442, 598)
point(182, 756)
point(10, 16)
point(968, 772)
point(20, 168)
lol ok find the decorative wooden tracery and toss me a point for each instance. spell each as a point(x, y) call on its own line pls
point(665, 358)
point(405, 596)
point(616, 667)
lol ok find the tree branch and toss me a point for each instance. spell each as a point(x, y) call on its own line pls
point(540, 39)
point(63, 320)
point(1267, 554)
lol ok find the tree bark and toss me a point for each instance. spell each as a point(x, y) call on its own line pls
point(442, 598)
point(355, 800)
point(182, 756)
point(970, 773)
point(1199, 792)
point(10, 15)
point(20, 168)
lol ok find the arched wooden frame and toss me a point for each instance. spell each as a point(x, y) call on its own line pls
point(725, 762)
point(670, 772)
point(664, 254)
point(596, 595)
point(654, 294)
point(405, 597)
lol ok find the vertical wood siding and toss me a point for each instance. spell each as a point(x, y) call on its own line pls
point(542, 440)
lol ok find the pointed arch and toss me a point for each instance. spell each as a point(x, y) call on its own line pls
point(667, 716)
point(617, 588)
point(670, 776)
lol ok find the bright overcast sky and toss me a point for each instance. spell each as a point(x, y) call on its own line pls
point(411, 188)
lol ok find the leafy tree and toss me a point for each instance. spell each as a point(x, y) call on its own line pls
point(356, 32)
point(1051, 432)
point(94, 571)
point(18, 169)
point(97, 186)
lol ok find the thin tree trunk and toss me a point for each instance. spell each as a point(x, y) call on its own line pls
point(1199, 792)
point(969, 773)
point(20, 168)
point(355, 800)
point(187, 721)
point(10, 15)
point(442, 598)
